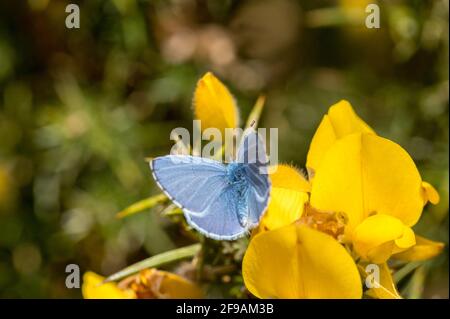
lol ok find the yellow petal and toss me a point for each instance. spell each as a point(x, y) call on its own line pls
point(287, 199)
point(385, 287)
point(340, 121)
point(93, 288)
point(165, 285)
point(423, 249)
point(430, 194)
point(379, 236)
point(296, 261)
point(214, 105)
point(362, 174)
point(288, 177)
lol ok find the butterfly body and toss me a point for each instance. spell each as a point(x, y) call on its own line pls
point(239, 185)
point(220, 201)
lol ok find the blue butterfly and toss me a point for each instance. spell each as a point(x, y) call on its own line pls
point(220, 201)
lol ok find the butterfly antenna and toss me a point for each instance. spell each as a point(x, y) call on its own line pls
point(255, 113)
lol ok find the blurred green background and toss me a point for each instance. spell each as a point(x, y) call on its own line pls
point(80, 109)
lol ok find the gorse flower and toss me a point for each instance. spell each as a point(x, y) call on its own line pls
point(94, 288)
point(363, 196)
point(372, 180)
point(214, 105)
point(148, 284)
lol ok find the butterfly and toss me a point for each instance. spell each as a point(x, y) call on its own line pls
point(222, 202)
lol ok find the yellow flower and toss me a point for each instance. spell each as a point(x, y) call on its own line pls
point(365, 192)
point(340, 121)
point(214, 105)
point(94, 288)
point(148, 284)
point(364, 176)
point(296, 261)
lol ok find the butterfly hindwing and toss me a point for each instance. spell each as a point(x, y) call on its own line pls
point(221, 221)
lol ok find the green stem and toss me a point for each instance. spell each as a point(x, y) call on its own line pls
point(201, 258)
point(142, 205)
point(155, 261)
point(255, 114)
point(407, 269)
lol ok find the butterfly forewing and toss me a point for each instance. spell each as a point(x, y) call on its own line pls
point(192, 183)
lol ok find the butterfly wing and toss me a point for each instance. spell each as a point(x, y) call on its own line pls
point(192, 183)
point(253, 155)
point(252, 151)
point(258, 195)
point(200, 187)
point(220, 221)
